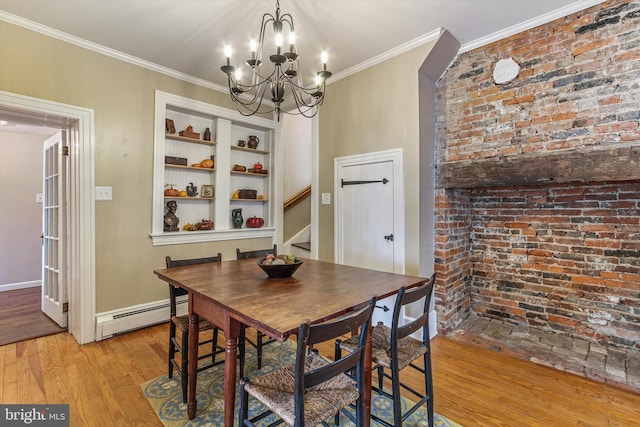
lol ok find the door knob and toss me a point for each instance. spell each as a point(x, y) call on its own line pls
point(389, 237)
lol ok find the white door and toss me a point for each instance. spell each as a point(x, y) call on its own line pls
point(368, 215)
point(54, 283)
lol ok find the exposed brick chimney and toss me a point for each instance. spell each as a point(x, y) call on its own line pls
point(538, 200)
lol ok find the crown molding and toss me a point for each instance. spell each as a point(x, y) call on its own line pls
point(98, 48)
point(529, 24)
point(419, 41)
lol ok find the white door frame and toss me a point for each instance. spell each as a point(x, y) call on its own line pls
point(395, 156)
point(81, 233)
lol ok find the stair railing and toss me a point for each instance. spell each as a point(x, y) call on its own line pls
point(297, 198)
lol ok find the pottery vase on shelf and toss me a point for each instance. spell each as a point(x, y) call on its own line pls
point(253, 141)
point(236, 218)
point(207, 134)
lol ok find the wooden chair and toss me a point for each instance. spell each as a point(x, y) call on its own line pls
point(260, 337)
point(393, 348)
point(313, 389)
point(181, 323)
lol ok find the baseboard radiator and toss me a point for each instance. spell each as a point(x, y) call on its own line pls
point(127, 319)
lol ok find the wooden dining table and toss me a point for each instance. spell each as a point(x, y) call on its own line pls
point(236, 294)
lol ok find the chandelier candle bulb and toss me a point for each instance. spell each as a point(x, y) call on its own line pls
point(227, 53)
point(292, 41)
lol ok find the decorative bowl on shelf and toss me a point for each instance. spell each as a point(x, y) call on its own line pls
point(279, 271)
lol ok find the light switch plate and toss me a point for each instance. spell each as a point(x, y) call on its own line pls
point(38, 197)
point(103, 193)
point(326, 198)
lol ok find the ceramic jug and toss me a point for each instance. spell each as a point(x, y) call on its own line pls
point(253, 141)
point(236, 218)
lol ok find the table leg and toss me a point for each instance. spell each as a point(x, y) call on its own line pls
point(231, 333)
point(367, 379)
point(194, 330)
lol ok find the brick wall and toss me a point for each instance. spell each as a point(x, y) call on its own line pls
point(452, 261)
point(579, 86)
point(564, 257)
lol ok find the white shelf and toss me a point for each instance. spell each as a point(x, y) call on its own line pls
point(227, 127)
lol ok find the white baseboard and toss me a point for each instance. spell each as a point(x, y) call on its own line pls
point(20, 285)
point(126, 319)
point(433, 324)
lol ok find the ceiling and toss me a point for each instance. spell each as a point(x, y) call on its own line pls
point(186, 38)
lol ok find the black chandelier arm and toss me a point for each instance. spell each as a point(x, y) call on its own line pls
point(288, 19)
point(247, 99)
point(257, 79)
point(247, 108)
point(307, 90)
point(308, 112)
point(266, 18)
point(314, 101)
point(236, 89)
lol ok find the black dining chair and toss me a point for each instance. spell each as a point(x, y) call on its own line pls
point(313, 389)
point(181, 323)
point(261, 339)
point(394, 348)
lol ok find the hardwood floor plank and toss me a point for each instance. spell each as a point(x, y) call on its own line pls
point(7, 371)
point(56, 379)
point(474, 386)
point(494, 387)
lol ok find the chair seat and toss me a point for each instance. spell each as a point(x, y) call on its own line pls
point(182, 322)
point(275, 390)
point(409, 348)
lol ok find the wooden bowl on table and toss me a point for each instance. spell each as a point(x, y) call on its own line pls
point(279, 271)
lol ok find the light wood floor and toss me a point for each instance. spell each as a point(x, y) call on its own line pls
point(473, 386)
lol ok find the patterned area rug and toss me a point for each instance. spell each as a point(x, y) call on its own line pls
point(165, 394)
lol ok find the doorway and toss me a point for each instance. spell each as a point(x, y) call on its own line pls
point(79, 125)
point(369, 216)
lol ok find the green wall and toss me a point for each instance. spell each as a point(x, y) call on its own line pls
point(374, 110)
point(122, 97)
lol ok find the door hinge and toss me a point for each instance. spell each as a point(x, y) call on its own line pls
point(65, 150)
point(65, 307)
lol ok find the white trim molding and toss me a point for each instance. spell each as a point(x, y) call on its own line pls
point(112, 53)
point(81, 268)
point(529, 24)
point(19, 285)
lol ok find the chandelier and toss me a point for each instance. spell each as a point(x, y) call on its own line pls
point(282, 81)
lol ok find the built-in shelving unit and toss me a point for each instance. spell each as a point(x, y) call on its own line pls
point(227, 127)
